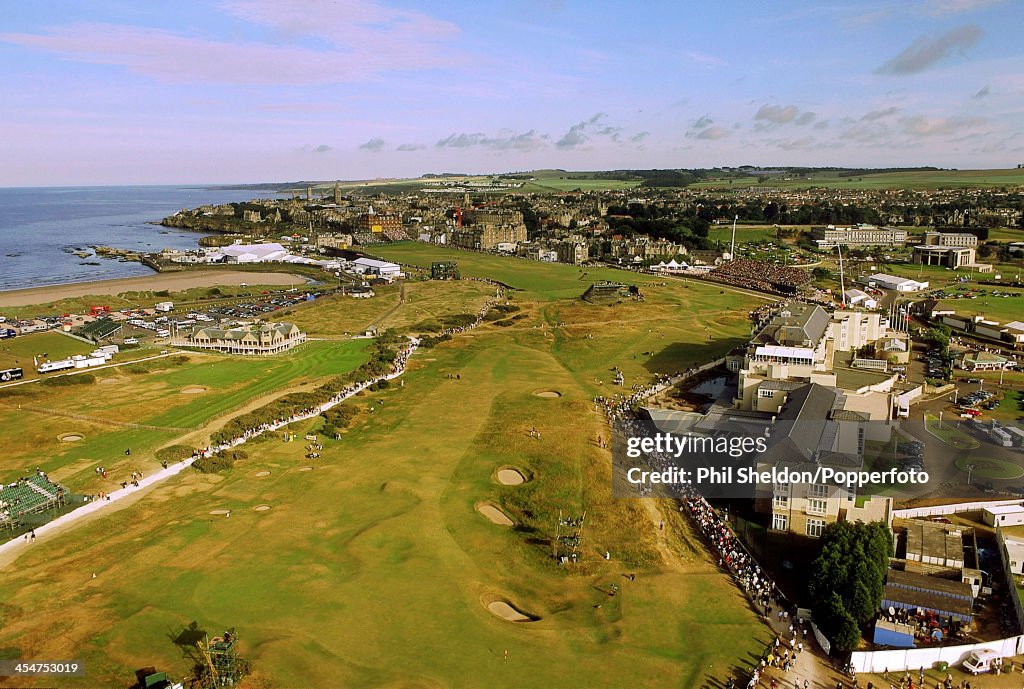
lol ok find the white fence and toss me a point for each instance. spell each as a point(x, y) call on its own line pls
point(916, 658)
point(938, 510)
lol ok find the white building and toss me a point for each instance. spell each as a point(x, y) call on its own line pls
point(893, 282)
point(856, 297)
point(371, 266)
point(254, 253)
point(1003, 515)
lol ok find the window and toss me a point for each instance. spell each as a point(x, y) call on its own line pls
point(780, 522)
point(781, 488)
point(762, 393)
point(817, 490)
point(815, 527)
point(817, 506)
point(780, 502)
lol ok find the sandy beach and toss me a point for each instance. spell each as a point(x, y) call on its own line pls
point(157, 281)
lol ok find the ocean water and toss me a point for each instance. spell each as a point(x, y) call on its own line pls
point(40, 227)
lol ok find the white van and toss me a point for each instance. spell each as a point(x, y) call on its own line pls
point(980, 661)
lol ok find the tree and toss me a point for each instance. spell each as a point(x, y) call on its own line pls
point(847, 579)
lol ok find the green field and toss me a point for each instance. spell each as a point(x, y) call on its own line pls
point(1001, 309)
point(544, 281)
point(374, 568)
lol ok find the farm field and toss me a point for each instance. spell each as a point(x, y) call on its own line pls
point(375, 567)
point(923, 179)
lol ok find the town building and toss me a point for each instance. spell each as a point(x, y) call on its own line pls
point(485, 229)
point(373, 222)
point(858, 235)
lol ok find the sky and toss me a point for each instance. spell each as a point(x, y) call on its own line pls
point(235, 91)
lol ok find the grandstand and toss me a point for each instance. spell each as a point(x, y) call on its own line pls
point(29, 495)
point(368, 239)
point(761, 275)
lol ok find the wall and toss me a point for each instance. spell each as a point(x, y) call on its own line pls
point(937, 510)
point(915, 658)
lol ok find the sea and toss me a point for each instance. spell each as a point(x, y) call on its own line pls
point(42, 229)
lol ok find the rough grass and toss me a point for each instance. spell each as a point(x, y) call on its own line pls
point(424, 300)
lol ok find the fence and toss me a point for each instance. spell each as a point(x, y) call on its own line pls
point(916, 658)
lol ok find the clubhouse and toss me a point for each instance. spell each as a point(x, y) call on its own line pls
point(269, 338)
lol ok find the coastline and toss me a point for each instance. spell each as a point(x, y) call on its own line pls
point(157, 281)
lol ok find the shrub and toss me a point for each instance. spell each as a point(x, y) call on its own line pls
point(220, 461)
point(174, 453)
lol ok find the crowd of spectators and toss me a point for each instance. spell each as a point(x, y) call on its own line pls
point(762, 276)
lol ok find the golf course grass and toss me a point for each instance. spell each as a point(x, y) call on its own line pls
point(374, 567)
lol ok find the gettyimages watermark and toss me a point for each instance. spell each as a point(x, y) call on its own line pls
point(849, 459)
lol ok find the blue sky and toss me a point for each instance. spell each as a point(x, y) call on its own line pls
point(266, 90)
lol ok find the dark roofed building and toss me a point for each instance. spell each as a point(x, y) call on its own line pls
point(797, 324)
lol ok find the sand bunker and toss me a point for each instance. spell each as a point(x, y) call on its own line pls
point(70, 437)
point(194, 390)
point(261, 508)
point(499, 607)
point(261, 474)
point(305, 468)
point(495, 515)
point(108, 381)
point(510, 477)
point(220, 512)
point(548, 394)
